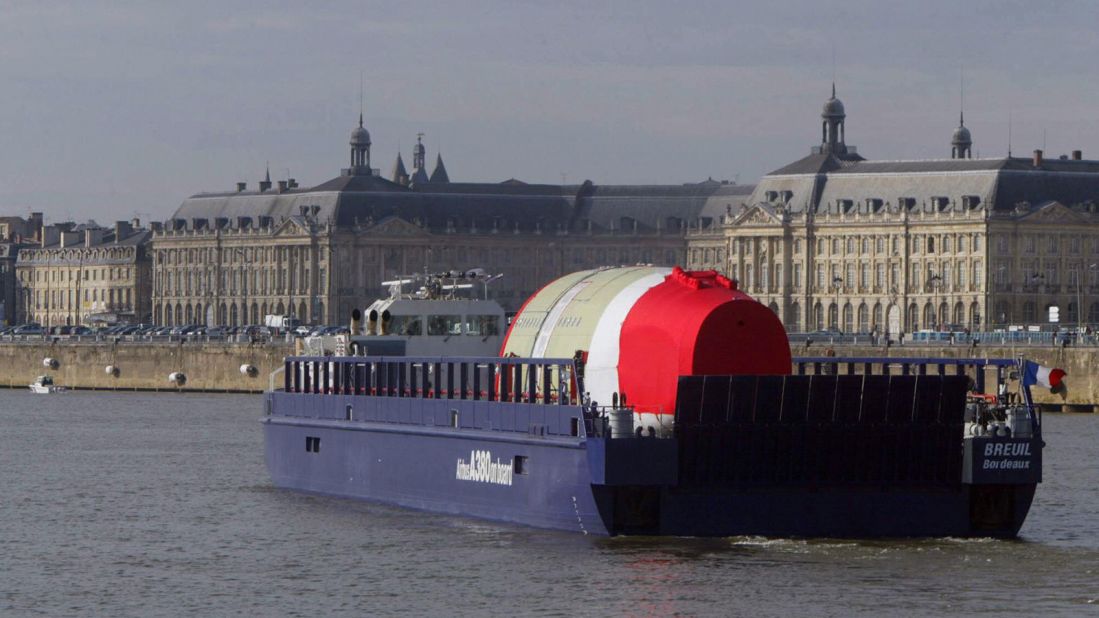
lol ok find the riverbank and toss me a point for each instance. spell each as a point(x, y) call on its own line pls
point(216, 366)
point(199, 367)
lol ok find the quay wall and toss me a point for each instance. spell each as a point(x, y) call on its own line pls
point(143, 366)
point(215, 366)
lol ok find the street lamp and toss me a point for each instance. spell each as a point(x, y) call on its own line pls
point(837, 284)
point(933, 281)
point(1035, 280)
point(243, 287)
point(1079, 298)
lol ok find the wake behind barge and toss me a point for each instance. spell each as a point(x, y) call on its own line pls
point(522, 439)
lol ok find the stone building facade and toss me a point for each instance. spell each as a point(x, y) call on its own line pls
point(16, 233)
point(837, 241)
point(86, 275)
point(315, 253)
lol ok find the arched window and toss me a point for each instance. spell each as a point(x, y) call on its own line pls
point(1002, 314)
point(833, 316)
point(1030, 311)
point(793, 319)
point(864, 318)
point(913, 317)
point(876, 322)
point(929, 316)
point(818, 316)
point(975, 316)
point(959, 313)
point(233, 321)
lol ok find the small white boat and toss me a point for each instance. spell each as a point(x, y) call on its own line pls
point(44, 384)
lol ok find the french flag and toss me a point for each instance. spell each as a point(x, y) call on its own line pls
point(1049, 377)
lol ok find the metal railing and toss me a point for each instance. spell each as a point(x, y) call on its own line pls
point(1068, 338)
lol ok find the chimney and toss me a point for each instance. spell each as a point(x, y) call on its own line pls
point(1037, 158)
point(241, 186)
point(156, 226)
point(293, 184)
point(1077, 155)
point(70, 239)
point(122, 230)
point(135, 223)
point(35, 228)
point(92, 237)
point(282, 186)
point(264, 185)
point(50, 234)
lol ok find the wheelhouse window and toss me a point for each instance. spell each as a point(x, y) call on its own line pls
point(441, 325)
point(406, 325)
point(483, 325)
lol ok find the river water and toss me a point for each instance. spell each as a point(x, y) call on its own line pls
point(129, 504)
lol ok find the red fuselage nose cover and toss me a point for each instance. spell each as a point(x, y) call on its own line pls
point(695, 323)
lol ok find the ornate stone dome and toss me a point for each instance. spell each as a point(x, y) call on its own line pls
point(961, 136)
point(359, 135)
point(833, 108)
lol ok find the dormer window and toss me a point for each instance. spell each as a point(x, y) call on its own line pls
point(771, 196)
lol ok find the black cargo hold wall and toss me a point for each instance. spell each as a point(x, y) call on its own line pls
point(820, 429)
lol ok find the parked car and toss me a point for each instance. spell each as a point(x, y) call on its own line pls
point(29, 329)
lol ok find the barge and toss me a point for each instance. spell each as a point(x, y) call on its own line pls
point(704, 428)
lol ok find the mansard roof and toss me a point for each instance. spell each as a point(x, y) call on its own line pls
point(356, 199)
point(825, 183)
point(817, 163)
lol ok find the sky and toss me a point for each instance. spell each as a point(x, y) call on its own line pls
point(111, 110)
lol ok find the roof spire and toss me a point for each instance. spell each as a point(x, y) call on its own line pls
point(267, 175)
point(1009, 133)
point(833, 89)
point(961, 98)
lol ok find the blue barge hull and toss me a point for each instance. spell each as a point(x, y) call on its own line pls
point(751, 455)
